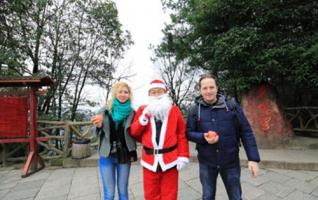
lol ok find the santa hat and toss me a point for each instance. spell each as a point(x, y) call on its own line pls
point(157, 84)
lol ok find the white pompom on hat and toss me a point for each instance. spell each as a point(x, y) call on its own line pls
point(157, 83)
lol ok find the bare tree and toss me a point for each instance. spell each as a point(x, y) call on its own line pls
point(178, 76)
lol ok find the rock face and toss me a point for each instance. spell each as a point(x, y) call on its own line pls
point(266, 117)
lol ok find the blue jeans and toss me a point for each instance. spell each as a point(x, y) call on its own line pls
point(109, 168)
point(230, 177)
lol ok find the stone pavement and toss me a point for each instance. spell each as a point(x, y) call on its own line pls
point(286, 174)
point(84, 184)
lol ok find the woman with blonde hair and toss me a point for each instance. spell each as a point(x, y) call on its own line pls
point(117, 149)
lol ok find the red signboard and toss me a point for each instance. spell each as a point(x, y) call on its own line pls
point(18, 117)
point(13, 117)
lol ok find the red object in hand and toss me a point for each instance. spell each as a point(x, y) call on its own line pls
point(97, 120)
point(212, 134)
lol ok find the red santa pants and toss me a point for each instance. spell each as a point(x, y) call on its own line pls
point(161, 185)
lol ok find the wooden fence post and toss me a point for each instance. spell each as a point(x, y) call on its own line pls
point(67, 138)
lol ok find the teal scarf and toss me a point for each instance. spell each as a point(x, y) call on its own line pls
point(120, 111)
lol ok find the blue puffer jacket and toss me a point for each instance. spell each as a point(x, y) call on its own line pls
point(225, 153)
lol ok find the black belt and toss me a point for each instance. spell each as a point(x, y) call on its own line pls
point(159, 151)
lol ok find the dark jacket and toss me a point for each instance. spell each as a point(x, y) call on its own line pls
point(104, 133)
point(225, 153)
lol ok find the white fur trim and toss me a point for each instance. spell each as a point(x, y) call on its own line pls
point(157, 85)
point(153, 132)
point(143, 120)
point(148, 166)
point(158, 160)
point(168, 166)
point(163, 131)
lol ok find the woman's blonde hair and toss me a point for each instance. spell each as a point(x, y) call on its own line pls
point(115, 88)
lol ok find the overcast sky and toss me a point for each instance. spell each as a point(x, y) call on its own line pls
point(144, 19)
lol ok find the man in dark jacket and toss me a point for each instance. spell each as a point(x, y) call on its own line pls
point(211, 125)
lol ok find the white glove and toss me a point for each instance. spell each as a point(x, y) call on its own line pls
point(144, 117)
point(182, 163)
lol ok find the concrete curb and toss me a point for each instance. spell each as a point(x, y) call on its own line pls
point(298, 156)
point(308, 166)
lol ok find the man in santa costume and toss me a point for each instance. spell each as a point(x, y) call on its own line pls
point(162, 131)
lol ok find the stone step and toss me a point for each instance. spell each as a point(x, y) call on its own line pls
point(270, 158)
point(286, 159)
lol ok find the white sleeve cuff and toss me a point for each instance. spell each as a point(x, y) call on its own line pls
point(143, 120)
point(184, 159)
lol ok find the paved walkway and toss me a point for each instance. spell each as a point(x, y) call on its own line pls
point(280, 179)
point(84, 184)
point(295, 159)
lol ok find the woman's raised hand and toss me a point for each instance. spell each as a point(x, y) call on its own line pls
point(97, 120)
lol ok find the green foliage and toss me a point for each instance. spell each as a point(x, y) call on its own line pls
point(247, 41)
point(77, 43)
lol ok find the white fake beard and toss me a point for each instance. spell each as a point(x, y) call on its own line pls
point(160, 106)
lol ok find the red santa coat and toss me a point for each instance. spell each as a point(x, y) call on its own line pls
point(173, 132)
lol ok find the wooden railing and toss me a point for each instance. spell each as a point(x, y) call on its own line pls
point(60, 135)
point(304, 119)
